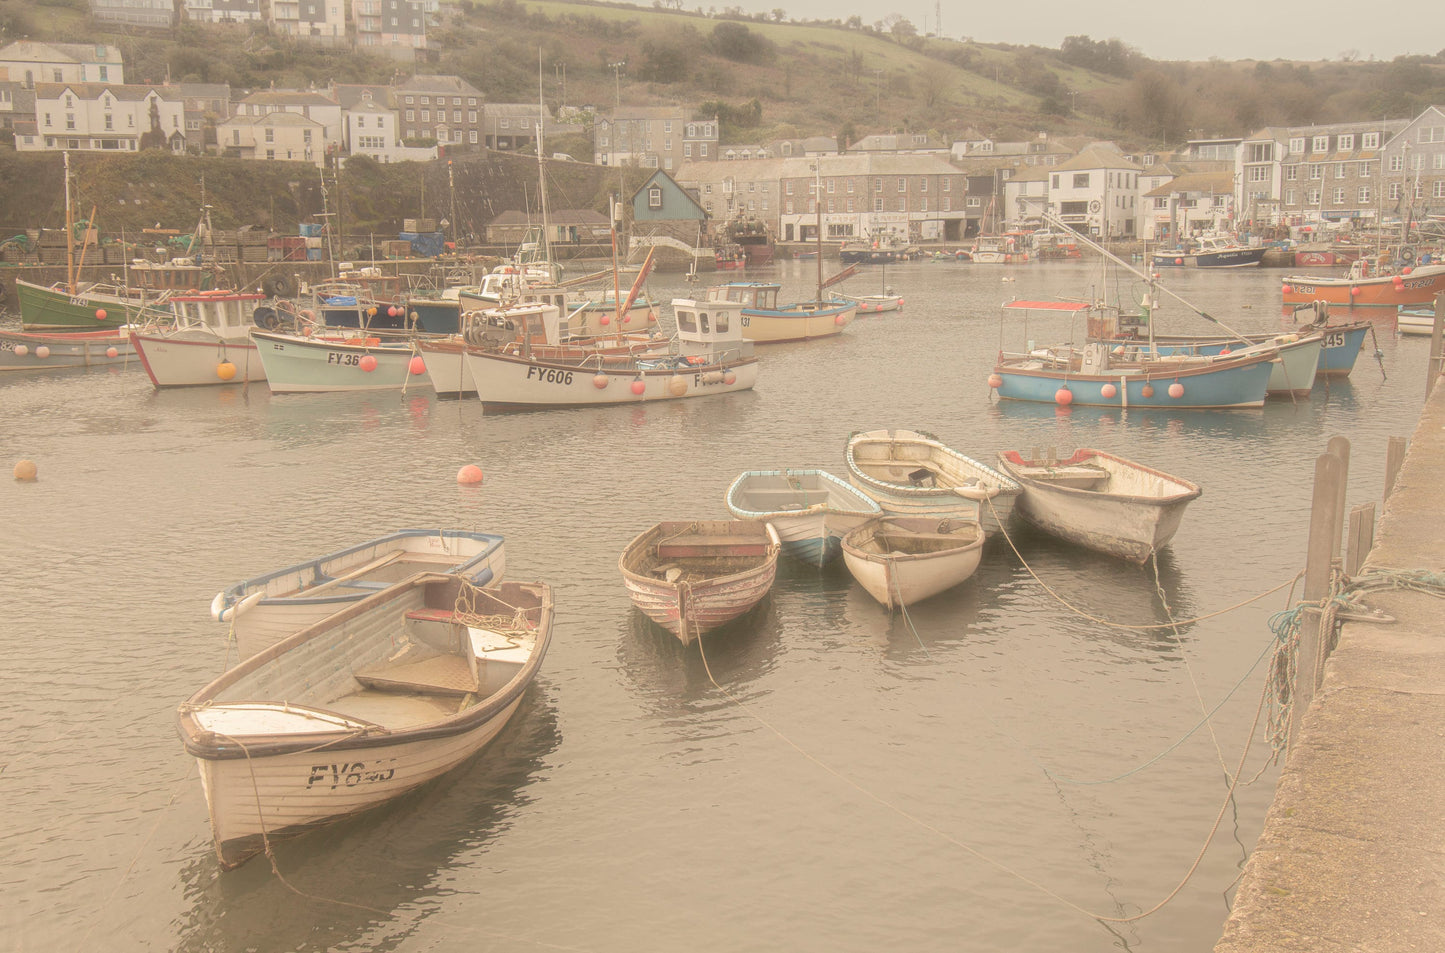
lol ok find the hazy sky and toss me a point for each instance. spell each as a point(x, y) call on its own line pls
point(1227, 29)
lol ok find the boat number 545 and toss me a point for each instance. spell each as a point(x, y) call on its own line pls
point(1335, 339)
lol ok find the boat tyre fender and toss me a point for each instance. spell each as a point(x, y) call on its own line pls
point(1407, 254)
point(277, 286)
point(266, 318)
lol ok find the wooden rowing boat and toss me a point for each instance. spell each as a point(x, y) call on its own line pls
point(363, 706)
point(810, 509)
point(691, 576)
point(901, 560)
point(914, 474)
point(263, 610)
point(1101, 501)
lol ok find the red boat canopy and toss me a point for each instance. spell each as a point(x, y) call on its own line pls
point(1048, 305)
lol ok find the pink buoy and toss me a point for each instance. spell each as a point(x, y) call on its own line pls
point(1406, 270)
point(391, 311)
point(1179, 261)
point(100, 314)
point(995, 381)
point(599, 381)
point(1225, 351)
point(1398, 282)
point(1176, 390)
point(42, 352)
point(368, 363)
point(416, 365)
point(841, 319)
point(729, 377)
point(1148, 390)
point(1063, 397)
point(605, 320)
point(1354, 291)
point(112, 352)
point(1108, 391)
point(21, 350)
point(1288, 289)
point(469, 475)
point(638, 387)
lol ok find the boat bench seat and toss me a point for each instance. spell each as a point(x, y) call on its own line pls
point(769, 501)
point(713, 546)
point(436, 675)
point(432, 615)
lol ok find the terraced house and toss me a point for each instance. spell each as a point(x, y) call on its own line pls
point(96, 117)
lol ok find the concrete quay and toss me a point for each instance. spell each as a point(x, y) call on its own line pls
point(1352, 855)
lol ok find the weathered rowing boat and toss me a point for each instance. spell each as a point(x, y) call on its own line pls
point(691, 576)
point(1101, 501)
point(363, 706)
point(901, 560)
point(810, 509)
point(914, 474)
point(266, 609)
point(24, 351)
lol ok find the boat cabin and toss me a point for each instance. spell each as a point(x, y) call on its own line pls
point(229, 313)
point(179, 275)
point(712, 329)
point(528, 325)
point(756, 295)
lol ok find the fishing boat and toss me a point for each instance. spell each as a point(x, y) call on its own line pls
point(1209, 251)
point(363, 706)
point(885, 300)
point(1415, 321)
point(1101, 501)
point(210, 343)
point(810, 509)
point(711, 358)
point(900, 560)
point(30, 351)
point(298, 364)
point(1363, 289)
point(263, 610)
point(909, 473)
point(691, 576)
point(765, 321)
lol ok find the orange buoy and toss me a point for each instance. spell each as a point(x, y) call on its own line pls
point(226, 371)
point(1063, 397)
point(25, 470)
point(469, 475)
point(367, 363)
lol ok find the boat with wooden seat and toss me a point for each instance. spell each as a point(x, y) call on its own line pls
point(911, 473)
point(691, 576)
point(1099, 500)
point(901, 560)
point(362, 706)
point(263, 610)
point(810, 509)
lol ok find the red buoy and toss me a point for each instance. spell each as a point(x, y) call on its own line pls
point(416, 365)
point(1108, 391)
point(1063, 397)
point(367, 363)
point(1176, 390)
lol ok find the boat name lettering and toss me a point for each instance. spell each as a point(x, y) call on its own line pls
point(549, 375)
point(1304, 289)
point(746, 320)
point(1335, 339)
point(342, 358)
point(80, 302)
point(1418, 282)
point(347, 775)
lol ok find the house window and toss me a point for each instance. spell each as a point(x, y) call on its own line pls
point(1291, 173)
point(1054, 183)
point(472, 137)
point(1365, 169)
point(1320, 144)
point(1346, 143)
point(831, 208)
point(788, 207)
point(1261, 152)
point(973, 201)
point(923, 185)
point(471, 115)
point(70, 120)
point(104, 73)
point(1297, 145)
point(1397, 163)
point(903, 204)
point(1342, 170)
point(1161, 202)
point(1338, 196)
point(109, 121)
point(654, 197)
point(1259, 173)
point(878, 187)
point(1365, 194)
point(1081, 180)
point(1314, 197)
point(902, 184)
point(411, 116)
point(923, 206)
point(456, 115)
point(1395, 191)
point(360, 122)
point(878, 205)
point(1431, 134)
point(702, 150)
point(947, 204)
point(270, 135)
point(1439, 189)
point(1317, 171)
point(1370, 140)
point(687, 150)
point(270, 153)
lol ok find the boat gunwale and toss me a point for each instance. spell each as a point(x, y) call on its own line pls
point(1011, 459)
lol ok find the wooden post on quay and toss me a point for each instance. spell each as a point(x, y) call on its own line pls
point(1436, 364)
point(1319, 559)
point(1340, 447)
point(1394, 459)
point(1359, 537)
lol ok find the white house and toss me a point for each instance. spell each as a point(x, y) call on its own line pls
point(95, 117)
point(1095, 192)
point(372, 130)
point(28, 62)
point(275, 136)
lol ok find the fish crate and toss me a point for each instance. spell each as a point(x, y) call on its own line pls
point(254, 252)
point(252, 237)
point(113, 254)
point(419, 225)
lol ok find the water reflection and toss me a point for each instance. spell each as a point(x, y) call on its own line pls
point(678, 679)
point(375, 864)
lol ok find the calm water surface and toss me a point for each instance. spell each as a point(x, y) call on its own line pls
point(976, 775)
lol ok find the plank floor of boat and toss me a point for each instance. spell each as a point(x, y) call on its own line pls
point(396, 710)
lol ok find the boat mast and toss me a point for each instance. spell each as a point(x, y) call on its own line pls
point(541, 167)
point(818, 202)
point(69, 229)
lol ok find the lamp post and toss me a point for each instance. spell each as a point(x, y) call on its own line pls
point(617, 77)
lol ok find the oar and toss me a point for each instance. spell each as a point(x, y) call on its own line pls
point(361, 571)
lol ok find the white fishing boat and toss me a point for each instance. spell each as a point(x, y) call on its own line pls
point(363, 706)
point(900, 560)
point(914, 474)
point(691, 576)
point(337, 361)
point(210, 342)
point(1101, 501)
point(265, 609)
point(810, 509)
point(1415, 321)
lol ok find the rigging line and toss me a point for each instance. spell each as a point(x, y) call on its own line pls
point(1189, 669)
point(975, 852)
point(1137, 628)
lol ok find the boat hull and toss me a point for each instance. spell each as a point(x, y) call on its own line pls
point(300, 365)
point(1415, 322)
point(26, 351)
point(1225, 258)
point(803, 322)
point(1130, 525)
point(1383, 291)
point(811, 510)
point(50, 309)
point(881, 463)
point(1226, 384)
point(903, 560)
point(197, 359)
point(505, 382)
point(1339, 347)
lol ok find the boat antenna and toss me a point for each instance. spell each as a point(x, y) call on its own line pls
point(541, 167)
point(69, 228)
point(818, 203)
point(1052, 219)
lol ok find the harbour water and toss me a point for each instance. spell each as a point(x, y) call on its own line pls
point(993, 770)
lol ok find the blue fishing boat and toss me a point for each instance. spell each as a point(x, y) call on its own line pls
point(1091, 377)
point(767, 322)
point(812, 510)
